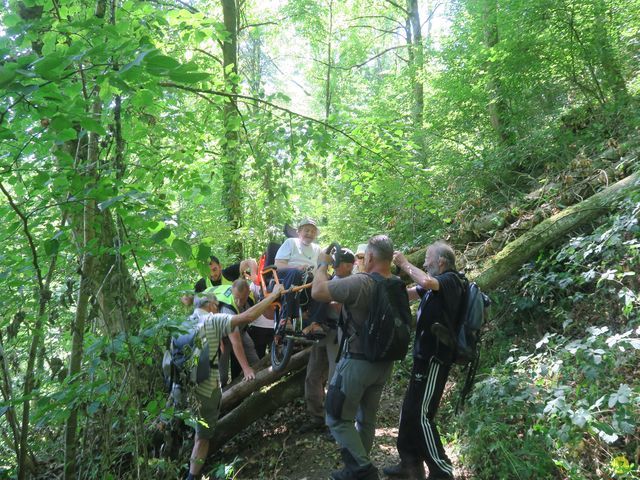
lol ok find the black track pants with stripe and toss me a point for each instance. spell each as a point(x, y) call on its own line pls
point(418, 438)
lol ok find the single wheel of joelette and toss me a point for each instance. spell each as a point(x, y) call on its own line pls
point(282, 345)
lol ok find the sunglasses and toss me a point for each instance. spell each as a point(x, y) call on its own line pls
point(360, 257)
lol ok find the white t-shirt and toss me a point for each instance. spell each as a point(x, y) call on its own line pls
point(299, 254)
point(262, 322)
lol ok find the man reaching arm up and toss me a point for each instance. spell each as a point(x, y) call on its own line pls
point(208, 395)
point(354, 392)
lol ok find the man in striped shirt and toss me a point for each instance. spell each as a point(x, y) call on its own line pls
point(208, 395)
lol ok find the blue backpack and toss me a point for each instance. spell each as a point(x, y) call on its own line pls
point(472, 318)
point(188, 360)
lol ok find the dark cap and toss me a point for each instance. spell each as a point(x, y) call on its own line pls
point(347, 256)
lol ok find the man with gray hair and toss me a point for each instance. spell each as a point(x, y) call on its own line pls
point(441, 290)
point(212, 326)
point(354, 391)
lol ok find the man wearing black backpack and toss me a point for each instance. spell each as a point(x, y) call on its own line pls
point(354, 391)
point(441, 290)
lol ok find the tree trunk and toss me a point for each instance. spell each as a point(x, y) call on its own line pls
point(418, 65)
point(613, 80)
point(511, 258)
point(230, 154)
point(86, 289)
point(497, 107)
point(240, 391)
point(513, 255)
point(257, 406)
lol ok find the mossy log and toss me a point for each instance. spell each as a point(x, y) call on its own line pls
point(507, 261)
point(258, 406)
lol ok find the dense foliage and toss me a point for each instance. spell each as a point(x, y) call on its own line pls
point(133, 147)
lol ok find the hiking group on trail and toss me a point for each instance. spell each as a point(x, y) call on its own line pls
point(359, 323)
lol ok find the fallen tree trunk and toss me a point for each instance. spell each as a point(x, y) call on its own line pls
point(511, 258)
point(267, 376)
point(257, 406)
point(514, 254)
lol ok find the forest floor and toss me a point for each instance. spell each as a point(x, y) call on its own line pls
point(277, 447)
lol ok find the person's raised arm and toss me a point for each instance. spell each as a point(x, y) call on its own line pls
point(412, 292)
point(252, 266)
point(320, 285)
point(423, 279)
point(254, 312)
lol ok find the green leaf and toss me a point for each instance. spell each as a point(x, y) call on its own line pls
point(50, 66)
point(92, 125)
point(188, 77)
point(138, 60)
point(107, 203)
point(51, 246)
point(7, 74)
point(161, 235)
point(204, 252)
point(182, 248)
point(160, 62)
point(143, 98)
point(6, 134)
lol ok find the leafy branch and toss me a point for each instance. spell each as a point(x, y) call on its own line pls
point(247, 98)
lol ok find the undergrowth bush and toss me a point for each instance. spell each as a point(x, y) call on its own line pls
point(564, 402)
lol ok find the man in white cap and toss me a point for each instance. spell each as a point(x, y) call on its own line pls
point(293, 257)
point(301, 252)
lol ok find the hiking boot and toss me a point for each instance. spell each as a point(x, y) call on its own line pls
point(314, 423)
point(404, 470)
point(364, 473)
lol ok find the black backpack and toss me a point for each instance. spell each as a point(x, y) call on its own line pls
point(386, 333)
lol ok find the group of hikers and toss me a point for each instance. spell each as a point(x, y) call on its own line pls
point(354, 383)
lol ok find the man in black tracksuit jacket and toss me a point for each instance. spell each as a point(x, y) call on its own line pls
point(441, 292)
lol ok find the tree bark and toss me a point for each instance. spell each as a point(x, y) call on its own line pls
point(497, 107)
point(514, 254)
point(258, 406)
point(82, 307)
point(417, 67)
point(236, 394)
point(230, 155)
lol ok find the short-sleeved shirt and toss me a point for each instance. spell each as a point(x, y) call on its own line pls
point(227, 277)
point(333, 315)
point(298, 254)
point(440, 306)
point(354, 292)
point(213, 327)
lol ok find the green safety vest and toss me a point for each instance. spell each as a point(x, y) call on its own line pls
point(223, 294)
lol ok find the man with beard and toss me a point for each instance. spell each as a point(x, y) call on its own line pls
point(441, 290)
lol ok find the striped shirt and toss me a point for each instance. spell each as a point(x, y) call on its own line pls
point(213, 327)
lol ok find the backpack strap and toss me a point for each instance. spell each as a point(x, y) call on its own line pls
point(212, 356)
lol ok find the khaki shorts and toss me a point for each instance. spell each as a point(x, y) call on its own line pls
point(207, 410)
